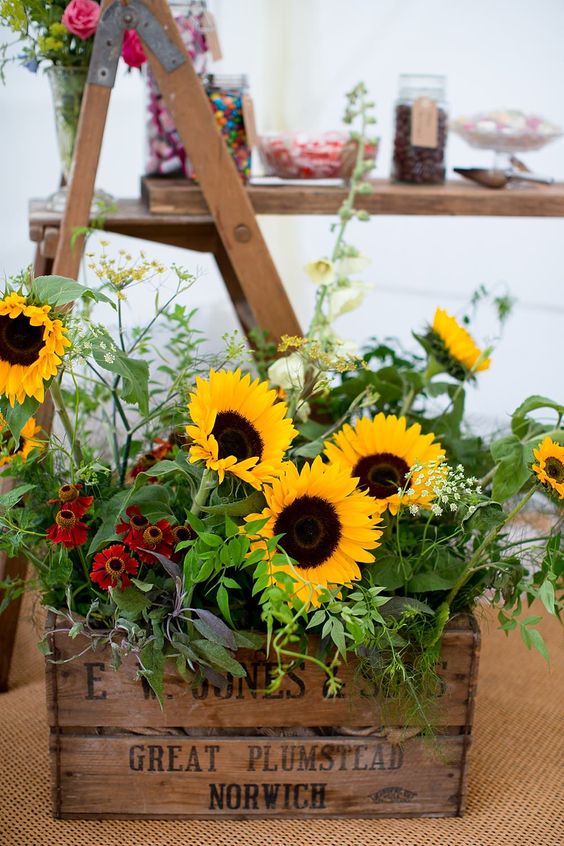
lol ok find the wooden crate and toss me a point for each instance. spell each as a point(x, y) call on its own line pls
point(116, 754)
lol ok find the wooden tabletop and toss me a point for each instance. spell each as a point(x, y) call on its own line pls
point(458, 197)
point(176, 202)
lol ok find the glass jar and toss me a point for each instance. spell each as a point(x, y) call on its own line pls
point(226, 95)
point(165, 153)
point(420, 130)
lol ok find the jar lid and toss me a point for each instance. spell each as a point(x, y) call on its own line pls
point(230, 82)
point(422, 85)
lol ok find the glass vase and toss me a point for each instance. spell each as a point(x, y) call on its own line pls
point(67, 87)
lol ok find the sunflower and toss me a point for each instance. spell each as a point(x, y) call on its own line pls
point(31, 348)
point(239, 427)
point(382, 453)
point(27, 441)
point(454, 348)
point(550, 466)
point(113, 566)
point(328, 526)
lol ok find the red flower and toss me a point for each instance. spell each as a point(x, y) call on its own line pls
point(69, 498)
point(140, 535)
point(111, 567)
point(149, 459)
point(67, 529)
point(182, 533)
point(132, 50)
point(81, 18)
point(133, 528)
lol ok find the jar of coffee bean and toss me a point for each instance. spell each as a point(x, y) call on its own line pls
point(420, 130)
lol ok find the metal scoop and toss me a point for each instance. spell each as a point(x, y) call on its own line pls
point(500, 178)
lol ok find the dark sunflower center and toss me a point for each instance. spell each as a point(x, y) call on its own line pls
point(236, 436)
point(554, 469)
point(311, 529)
point(115, 566)
point(381, 474)
point(152, 535)
point(20, 342)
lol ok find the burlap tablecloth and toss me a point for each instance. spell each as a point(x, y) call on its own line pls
point(515, 781)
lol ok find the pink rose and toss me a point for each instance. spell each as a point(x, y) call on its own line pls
point(81, 18)
point(132, 50)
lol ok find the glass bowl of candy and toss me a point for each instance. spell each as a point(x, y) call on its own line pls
point(506, 131)
point(311, 155)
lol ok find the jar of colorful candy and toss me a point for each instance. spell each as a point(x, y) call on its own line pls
point(420, 130)
point(226, 95)
point(166, 155)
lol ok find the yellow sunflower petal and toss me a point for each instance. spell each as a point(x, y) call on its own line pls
point(239, 424)
point(314, 510)
point(549, 466)
point(380, 453)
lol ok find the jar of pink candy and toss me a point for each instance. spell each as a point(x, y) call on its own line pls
point(166, 155)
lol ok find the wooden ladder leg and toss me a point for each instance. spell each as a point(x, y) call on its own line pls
point(225, 195)
point(13, 569)
point(16, 568)
point(67, 263)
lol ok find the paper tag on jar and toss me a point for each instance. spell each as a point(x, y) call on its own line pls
point(212, 38)
point(424, 123)
point(249, 120)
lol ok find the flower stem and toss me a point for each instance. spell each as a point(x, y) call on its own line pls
point(59, 404)
point(206, 485)
point(408, 402)
point(443, 612)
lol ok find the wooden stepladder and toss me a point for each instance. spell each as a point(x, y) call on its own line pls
point(254, 285)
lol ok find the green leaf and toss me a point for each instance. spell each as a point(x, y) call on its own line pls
point(486, 516)
point(534, 402)
point(213, 628)
point(131, 601)
point(249, 640)
point(60, 290)
point(143, 586)
point(17, 416)
point(338, 635)
point(213, 541)
point(134, 372)
point(254, 527)
point(536, 640)
point(239, 508)
point(547, 596)
point(218, 657)
point(153, 661)
point(11, 498)
point(511, 457)
point(425, 582)
point(222, 598)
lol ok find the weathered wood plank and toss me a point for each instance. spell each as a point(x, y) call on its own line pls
point(218, 777)
point(181, 197)
point(90, 693)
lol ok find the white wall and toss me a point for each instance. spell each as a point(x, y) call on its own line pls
point(301, 56)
